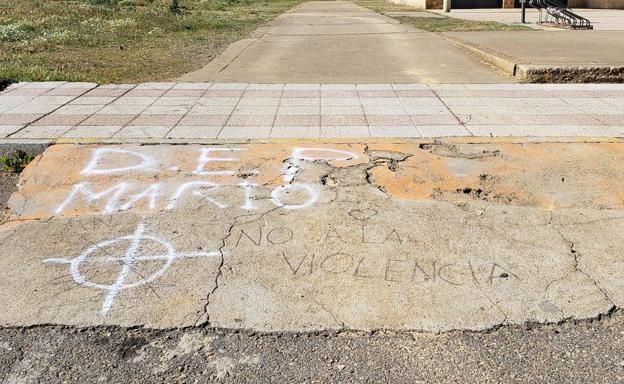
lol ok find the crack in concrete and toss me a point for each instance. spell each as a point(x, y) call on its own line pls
point(205, 313)
point(230, 231)
point(576, 268)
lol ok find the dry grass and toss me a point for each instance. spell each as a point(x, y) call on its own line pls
point(449, 24)
point(121, 40)
point(439, 24)
point(383, 6)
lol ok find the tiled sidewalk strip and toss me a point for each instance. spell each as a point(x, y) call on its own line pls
point(52, 110)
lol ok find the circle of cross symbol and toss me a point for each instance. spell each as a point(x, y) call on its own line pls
point(127, 261)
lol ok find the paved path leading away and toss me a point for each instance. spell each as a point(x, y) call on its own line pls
point(335, 42)
point(203, 111)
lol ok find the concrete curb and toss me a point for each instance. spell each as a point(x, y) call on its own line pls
point(7, 145)
point(535, 73)
point(499, 60)
point(540, 73)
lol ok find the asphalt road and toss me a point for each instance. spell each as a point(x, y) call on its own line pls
point(586, 352)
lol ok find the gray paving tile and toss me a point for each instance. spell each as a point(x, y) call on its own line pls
point(72, 109)
point(258, 101)
point(344, 131)
point(166, 110)
point(6, 130)
point(286, 131)
point(378, 101)
point(138, 132)
point(97, 132)
point(298, 110)
point(93, 100)
point(295, 101)
point(251, 110)
point(176, 100)
point(245, 132)
point(228, 86)
point(340, 101)
point(192, 86)
point(194, 132)
point(302, 87)
point(44, 132)
point(395, 131)
point(121, 109)
point(251, 120)
point(211, 109)
point(154, 85)
point(384, 110)
point(217, 100)
point(338, 87)
point(327, 110)
point(443, 130)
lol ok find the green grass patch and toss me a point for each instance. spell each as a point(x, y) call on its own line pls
point(449, 24)
point(109, 41)
point(16, 162)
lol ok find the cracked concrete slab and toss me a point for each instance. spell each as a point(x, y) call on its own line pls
point(311, 236)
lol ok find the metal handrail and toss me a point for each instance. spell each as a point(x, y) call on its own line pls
point(558, 13)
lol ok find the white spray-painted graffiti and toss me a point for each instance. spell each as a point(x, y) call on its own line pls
point(132, 256)
point(123, 195)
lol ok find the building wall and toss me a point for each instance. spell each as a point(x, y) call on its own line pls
point(419, 4)
point(577, 3)
point(437, 4)
point(612, 4)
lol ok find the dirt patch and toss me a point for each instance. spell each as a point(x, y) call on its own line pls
point(8, 184)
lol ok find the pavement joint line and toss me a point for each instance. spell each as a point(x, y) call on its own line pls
point(411, 116)
point(233, 110)
point(105, 105)
point(361, 105)
point(252, 42)
point(182, 116)
point(279, 103)
point(145, 107)
point(462, 123)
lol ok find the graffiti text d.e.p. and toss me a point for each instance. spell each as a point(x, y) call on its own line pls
point(113, 180)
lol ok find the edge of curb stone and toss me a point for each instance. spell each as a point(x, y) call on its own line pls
point(545, 73)
point(498, 59)
point(8, 143)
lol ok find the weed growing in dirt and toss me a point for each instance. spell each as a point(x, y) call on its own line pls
point(17, 162)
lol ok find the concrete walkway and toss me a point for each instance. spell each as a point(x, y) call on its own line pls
point(549, 56)
point(601, 19)
point(191, 112)
point(336, 42)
